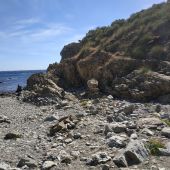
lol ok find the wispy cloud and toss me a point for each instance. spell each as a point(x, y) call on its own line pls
point(28, 30)
point(50, 31)
point(28, 21)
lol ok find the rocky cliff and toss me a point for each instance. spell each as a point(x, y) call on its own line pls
point(129, 59)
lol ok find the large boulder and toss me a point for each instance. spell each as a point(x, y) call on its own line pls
point(42, 90)
point(92, 85)
point(70, 50)
point(135, 153)
point(41, 84)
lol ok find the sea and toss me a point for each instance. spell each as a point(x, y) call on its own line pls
point(9, 80)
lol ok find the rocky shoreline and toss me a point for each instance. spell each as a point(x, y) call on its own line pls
point(81, 133)
point(109, 121)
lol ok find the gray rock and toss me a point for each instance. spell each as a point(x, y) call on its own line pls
point(12, 135)
point(77, 135)
point(105, 167)
point(31, 163)
point(114, 127)
point(47, 165)
point(158, 108)
point(116, 141)
point(166, 132)
point(64, 157)
point(110, 118)
point(118, 128)
point(69, 140)
point(147, 132)
point(75, 154)
point(120, 159)
point(92, 85)
point(81, 114)
point(128, 108)
point(4, 166)
point(166, 151)
point(51, 118)
point(4, 119)
point(64, 103)
point(133, 136)
point(149, 122)
point(164, 115)
point(134, 153)
point(98, 158)
point(110, 97)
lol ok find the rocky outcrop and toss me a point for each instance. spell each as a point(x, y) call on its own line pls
point(124, 60)
point(42, 90)
point(70, 50)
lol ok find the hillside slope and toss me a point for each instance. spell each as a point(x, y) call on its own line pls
point(130, 58)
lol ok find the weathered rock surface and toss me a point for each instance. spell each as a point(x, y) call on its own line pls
point(117, 141)
point(120, 63)
point(47, 165)
point(31, 163)
point(166, 132)
point(70, 50)
point(134, 153)
point(42, 90)
point(92, 86)
point(149, 122)
point(98, 158)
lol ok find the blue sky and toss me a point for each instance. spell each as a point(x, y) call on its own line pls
point(33, 32)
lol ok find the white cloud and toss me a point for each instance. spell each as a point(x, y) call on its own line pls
point(26, 30)
point(28, 21)
point(51, 31)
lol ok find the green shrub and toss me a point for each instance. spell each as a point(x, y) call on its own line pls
point(144, 70)
point(154, 145)
point(138, 52)
point(166, 121)
point(157, 52)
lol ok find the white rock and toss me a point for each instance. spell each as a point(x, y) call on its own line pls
point(4, 166)
point(48, 164)
point(166, 132)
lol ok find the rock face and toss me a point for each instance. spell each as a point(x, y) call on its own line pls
point(42, 90)
point(70, 50)
point(125, 63)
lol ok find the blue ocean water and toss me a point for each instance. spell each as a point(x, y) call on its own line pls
point(9, 80)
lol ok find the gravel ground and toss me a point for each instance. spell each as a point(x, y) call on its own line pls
point(34, 142)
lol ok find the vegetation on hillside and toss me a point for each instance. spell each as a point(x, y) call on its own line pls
point(145, 34)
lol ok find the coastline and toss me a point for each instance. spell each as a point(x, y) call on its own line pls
point(7, 94)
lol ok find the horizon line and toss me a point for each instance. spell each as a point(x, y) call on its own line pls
point(24, 70)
